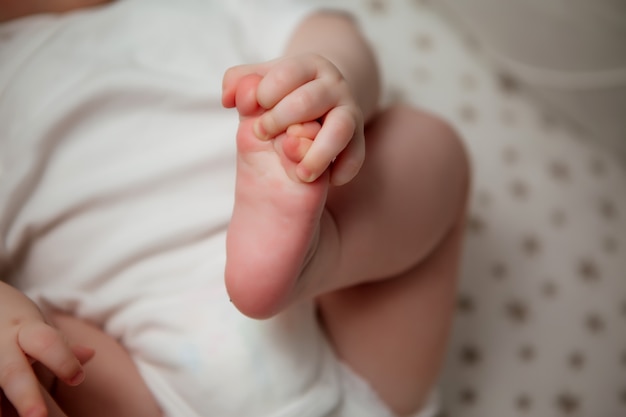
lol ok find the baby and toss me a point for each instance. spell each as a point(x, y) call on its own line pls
point(346, 227)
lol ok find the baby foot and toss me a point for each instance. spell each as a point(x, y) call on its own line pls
point(276, 216)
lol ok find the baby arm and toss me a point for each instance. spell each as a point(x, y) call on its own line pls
point(329, 74)
point(13, 9)
point(26, 338)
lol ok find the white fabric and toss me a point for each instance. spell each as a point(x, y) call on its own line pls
point(118, 179)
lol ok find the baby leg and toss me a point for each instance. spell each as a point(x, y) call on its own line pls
point(401, 224)
point(381, 253)
point(276, 217)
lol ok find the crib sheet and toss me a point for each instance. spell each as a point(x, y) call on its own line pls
point(541, 315)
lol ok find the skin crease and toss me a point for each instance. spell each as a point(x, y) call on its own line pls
point(398, 298)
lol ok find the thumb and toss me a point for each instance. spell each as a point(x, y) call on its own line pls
point(83, 353)
point(233, 76)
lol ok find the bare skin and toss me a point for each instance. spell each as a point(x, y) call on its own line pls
point(28, 338)
point(405, 314)
point(55, 354)
point(382, 255)
point(381, 272)
point(113, 385)
point(263, 184)
point(14, 9)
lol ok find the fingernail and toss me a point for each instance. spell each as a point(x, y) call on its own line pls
point(37, 411)
point(77, 378)
point(304, 174)
point(339, 179)
point(259, 130)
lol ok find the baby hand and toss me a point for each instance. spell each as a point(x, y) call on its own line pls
point(25, 338)
point(300, 89)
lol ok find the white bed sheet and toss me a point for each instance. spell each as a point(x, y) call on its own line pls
point(542, 297)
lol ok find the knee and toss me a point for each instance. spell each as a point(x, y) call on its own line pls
point(446, 150)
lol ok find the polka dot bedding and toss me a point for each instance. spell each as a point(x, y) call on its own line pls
point(540, 328)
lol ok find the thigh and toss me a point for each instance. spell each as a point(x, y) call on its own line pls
point(408, 195)
point(113, 385)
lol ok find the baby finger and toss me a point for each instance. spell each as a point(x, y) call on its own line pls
point(349, 162)
point(308, 102)
point(46, 345)
point(20, 386)
point(337, 130)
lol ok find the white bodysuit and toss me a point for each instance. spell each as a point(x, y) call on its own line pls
point(117, 187)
